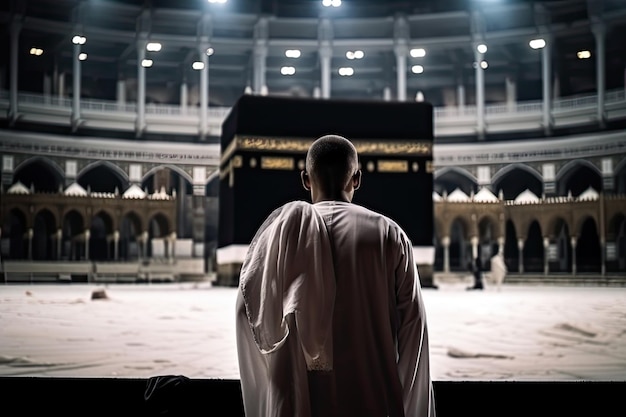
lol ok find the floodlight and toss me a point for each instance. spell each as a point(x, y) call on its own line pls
point(537, 43)
point(79, 40)
point(482, 48)
point(198, 65)
point(82, 56)
point(153, 46)
point(484, 64)
point(146, 63)
point(583, 54)
point(288, 70)
point(210, 51)
point(346, 71)
point(292, 53)
point(418, 52)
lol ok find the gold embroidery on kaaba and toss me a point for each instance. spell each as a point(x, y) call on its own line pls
point(381, 147)
point(237, 161)
point(269, 162)
point(393, 166)
point(430, 167)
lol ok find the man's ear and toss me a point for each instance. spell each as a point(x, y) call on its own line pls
point(306, 182)
point(356, 180)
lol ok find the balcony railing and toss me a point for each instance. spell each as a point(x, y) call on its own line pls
point(448, 120)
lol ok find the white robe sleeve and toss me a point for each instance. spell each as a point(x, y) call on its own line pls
point(284, 311)
point(413, 347)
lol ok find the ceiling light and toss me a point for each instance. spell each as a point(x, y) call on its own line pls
point(146, 63)
point(82, 56)
point(218, 1)
point(210, 51)
point(292, 53)
point(36, 51)
point(583, 54)
point(197, 65)
point(417, 69)
point(79, 40)
point(331, 3)
point(288, 70)
point(346, 71)
point(484, 64)
point(418, 52)
point(537, 43)
point(482, 48)
point(153, 46)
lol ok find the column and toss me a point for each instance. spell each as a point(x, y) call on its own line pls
point(401, 51)
point(460, 98)
point(204, 88)
point(47, 88)
point(511, 94)
point(574, 241)
point(520, 249)
point(325, 36)
point(445, 242)
point(387, 94)
point(87, 237)
point(172, 252)
point(116, 245)
point(184, 96)
point(401, 34)
point(16, 26)
point(546, 263)
point(474, 242)
point(546, 76)
point(480, 93)
point(261, 34)
point(59, 236)
point(140, 123)
point(30, 234)
point(325, 52)
point(61, 89)
point(144, 245)
point(76, 78)
point(121, 94)
point(599, 32)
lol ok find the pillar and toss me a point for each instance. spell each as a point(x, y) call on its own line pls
point(29, 235)
point(599, 32)
point(87, 237)
point(184, 97)
point(480, 93)
point(387, 94)
point(172, 252)
point(325, 53)
point(16, 26)
point(140, 123)
point(574, 241)
point(116, 245)
point(445, 242)
point(76, 78)
point(546, 263)
point(460, 98)
point(121, 93)
point(546, 76)
point(401, 50)
point(144, 245)
point(204, 89)
point(59, 236)
point(520, 248)
point(474, 242)
point(511, 94)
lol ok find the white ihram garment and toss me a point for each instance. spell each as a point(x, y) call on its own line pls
point(330, 317)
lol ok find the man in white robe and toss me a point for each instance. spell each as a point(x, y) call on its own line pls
point(330, 317)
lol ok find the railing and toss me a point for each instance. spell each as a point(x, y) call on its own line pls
point(444, 117)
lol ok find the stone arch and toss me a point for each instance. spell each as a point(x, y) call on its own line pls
point(460, 251)
point(560, 244)
point(72, 240)
point(449, 178)
point(28, 172)
point(130, 232)
point(116, 175)
point(588, 249)
point(44, 235)
point(14, 238)
point(158, 230)
point(100, 230)
point(174, 171)
point(576, 176)
point(516, 178)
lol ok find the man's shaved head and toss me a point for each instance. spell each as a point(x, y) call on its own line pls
point(331, 164)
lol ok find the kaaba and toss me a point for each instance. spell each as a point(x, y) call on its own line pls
point(264, 142)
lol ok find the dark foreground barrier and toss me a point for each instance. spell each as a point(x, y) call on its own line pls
point(180, 396)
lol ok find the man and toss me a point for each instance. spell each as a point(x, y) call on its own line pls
point(477, 271)
point(330, 317)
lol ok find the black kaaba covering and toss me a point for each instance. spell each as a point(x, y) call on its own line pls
point(394, 141)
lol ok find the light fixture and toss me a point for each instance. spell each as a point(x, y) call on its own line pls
point(482, 48)
point(418, 52)
point(331, 3)
point(358, 54)
point(153, 46)
point(36, 51)
point(217, 1)
point(198, 65)
point(292, 53)
point(537, 43)
point(288, 70)
point(346, 71)
point(82, 56)
point(583, 54)
point(146, 63)
point(417, 69)
point(484, 64)
point(79, 40)
point(210, 51)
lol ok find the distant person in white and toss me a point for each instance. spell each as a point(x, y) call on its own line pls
point(330, 317)
point(498, 269)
